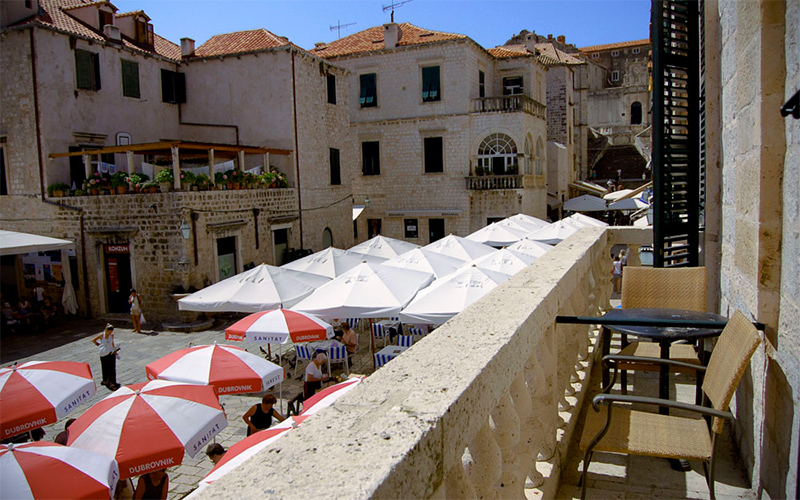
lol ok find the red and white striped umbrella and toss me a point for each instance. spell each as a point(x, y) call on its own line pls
point(325, 397)
point(47, 470)
point(38, 393)
point(229, 369)
point(148, 426)
point(276, 326)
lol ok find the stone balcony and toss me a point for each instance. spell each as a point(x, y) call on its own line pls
point(494, 182)
point(508, 104)
point(485, 406)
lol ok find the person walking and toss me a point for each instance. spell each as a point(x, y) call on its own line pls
point(108, 357)
point(135, 300)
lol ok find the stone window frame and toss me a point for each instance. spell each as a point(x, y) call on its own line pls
point(595, 56)
point(330, 83)
point(432, 134)
point(437, 92)
point(636, 50)
point(614, 53)
point(521, 86)
point(335, 173)
point(376, 170)
point(413, 233)
point(494, 145)
point(615, 76)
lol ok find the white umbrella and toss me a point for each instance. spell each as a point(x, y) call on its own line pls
point(553, 234)
point(381, 246)
point(460, 248)
point(527, 221)
point(585, 203)
point(421, 259)
point(628, 204)
point(12, 243)
point(533, 248)
point(366, 291)
point(499, 234)
point(331, 262)
point(616, 195)
point(450, 295)
point(581, 220)
point(263, 287)
point(504, 261)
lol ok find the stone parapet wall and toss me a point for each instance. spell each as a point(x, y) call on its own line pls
point(404, 432)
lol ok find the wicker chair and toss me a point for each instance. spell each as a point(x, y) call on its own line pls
point(677, 288)
point(652, 434)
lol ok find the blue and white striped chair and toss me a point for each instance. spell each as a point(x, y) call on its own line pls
point(353, 322)
point(381, 359)
point(405, 340)
point(380, 332)
point(417, 333)
point(338, 354)
point(302, 353)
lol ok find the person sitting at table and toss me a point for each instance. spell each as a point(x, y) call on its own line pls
point(215, 452)
point(350, 341)
point(48, 310)
point(260, 416)
point(23, 312)
point(314, 377)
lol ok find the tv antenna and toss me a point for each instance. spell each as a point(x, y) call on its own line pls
point(338, 28)
point(394, 4)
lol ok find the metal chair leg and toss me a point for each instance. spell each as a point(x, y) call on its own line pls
point(587, 458)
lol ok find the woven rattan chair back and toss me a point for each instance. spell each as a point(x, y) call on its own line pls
point(736, 345)
point(677, 288)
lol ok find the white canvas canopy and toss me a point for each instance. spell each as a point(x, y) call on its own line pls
point(527, 221)
point(555, 233)
point(366, 291)
point(423, 260)
point(13, 243)
point(628, 204)
point(449, 296)
point(533, 248)
point(381, 246)
point(585, 203)
point(260, 288)
point(618, 195)
point(581, 220)
point(504, 261)
point(460, 248)
point(499, 234)
point(331, 262)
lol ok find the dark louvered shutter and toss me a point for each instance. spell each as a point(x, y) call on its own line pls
point(130, 79)
point(83, 69)
point(167, 86)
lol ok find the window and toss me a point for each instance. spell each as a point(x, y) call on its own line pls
point(370, 158)
point(226, 257)
point(331, 89)
point(435, 229)
point(497, 154)
point(144, 32)
point(336, 174)
point(3, 182)
point(539, 167)
point(173, 87)
point(130, 79)
point(636, 113)
point(87, 70)
point(512, 85)
point(431, 86)
point(411, 228)
point(595, 56)
point(327, 238)
point(636, 51)
point(434, 155)
point(105, 18)
point(614, 53)
point(481, 84)
point(355, 229)
point(373, 228)
point(368, 98)
point(615, 76)
point(528, 156)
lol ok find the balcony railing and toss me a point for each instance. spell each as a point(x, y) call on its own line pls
point(484, 182)
point(484, 406)
point(509, 103)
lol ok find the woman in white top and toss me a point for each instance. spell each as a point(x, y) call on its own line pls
point(136, 310)
point(108, 357)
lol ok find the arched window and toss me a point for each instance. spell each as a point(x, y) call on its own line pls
point(539, 156)
point(497, 154)
point(636, 113)
point(327, 238)
point(528, 155)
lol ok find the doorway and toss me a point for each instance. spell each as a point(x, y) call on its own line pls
point(118, 277)
point(226, 257)
point(280, 243)
point(435, 229)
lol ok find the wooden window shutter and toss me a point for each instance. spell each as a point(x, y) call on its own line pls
point(83, 69)
point(130, 79)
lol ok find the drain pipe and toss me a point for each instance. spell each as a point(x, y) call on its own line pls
point(36, 113)
point(297, 149)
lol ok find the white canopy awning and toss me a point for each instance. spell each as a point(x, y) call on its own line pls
point(12, 243)
point(585, 203)
point(357, 209)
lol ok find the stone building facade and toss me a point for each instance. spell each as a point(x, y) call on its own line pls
point(450, 136)
point(87, 77)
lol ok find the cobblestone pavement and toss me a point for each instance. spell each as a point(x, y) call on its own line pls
point(70, 341)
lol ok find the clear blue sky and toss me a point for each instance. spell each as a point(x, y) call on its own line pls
point(488, 22)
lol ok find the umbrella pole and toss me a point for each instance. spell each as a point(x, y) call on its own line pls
point(372, 344)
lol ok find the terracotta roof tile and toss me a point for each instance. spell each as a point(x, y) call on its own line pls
point(240, 41)
point(54, 14)
point(371, 39)
point(620, 45)
point(87, 4)
point(551, 52)
point(132, 13)
point(508, 51)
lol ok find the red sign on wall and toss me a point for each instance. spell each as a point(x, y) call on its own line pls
point(117, 249)
point(113, 276)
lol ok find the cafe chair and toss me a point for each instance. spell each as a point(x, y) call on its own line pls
point(405, 340)
point(381, 359)
point(380, 332)
point(635, 432)
point(675, 288)
point(302, 353)
point(417, 333)
point(338, 354)
point(353, 322)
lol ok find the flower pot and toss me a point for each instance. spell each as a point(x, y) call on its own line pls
point(122, 189)
point(58, 194)
point(94, 191)
point(164, 186)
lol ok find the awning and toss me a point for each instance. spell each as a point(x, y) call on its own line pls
point(589, 187)
point(553, 201)
point(12, 243)
point(357, 209)
point(425, 213)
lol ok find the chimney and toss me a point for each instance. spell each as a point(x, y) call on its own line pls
point(550, 37)
point(112, 33)
point(319, 45)
point(187, 47)
point(561, 38)
point(391, 35)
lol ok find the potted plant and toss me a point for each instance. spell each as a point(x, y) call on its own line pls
point(136, 181)
point(268, 179)
point(149, 186)
point(165, 179)
point(119, 182)
point(96, 183)
point(512, 170)
point(281, 181)
point(234, 179)
point(80, 192)
point(187, 179)
point(202, 182)
point(220, 181)
point(57, 190)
